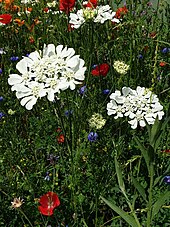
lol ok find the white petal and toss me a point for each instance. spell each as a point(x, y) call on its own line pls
point(73, 62)
point(14, 79)
point(59, 49)
point(25, 100)
point(30, 104)
point(50, 95)
point(49, 50)
point(22, 66)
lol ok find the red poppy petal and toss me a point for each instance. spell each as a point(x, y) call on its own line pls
point(5, 18)
point(46, 211)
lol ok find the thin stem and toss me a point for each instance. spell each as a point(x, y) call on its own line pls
point(25, 217)
point(149, 208)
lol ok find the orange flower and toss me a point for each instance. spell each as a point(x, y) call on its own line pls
point(162, 63)
point(60, 139)
point(121, 12)
point(19, 22)
point(29, 9)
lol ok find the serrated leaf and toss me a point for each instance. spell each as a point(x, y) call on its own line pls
point(128, 218)
point(159, 203)
point(140, 188)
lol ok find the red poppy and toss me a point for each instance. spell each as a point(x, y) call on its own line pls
point(60, 139)
point(100, 70)
point(166, 151)
point(162, 63)
point(121, 12)
point(5, 18)
point(66, 5)
point(48, 203)
point(91, 4)
point(46, 10)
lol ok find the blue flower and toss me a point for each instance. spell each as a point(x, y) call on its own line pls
point(140, 56)
point(1, 98)
point(167, 179)
point(165, 50)
point(1, 115)
point(83, 90)
point(92, 136)
point(68, 113)
point(1, 71)
point(106, 91)
point(94, 66)
point(14, 58)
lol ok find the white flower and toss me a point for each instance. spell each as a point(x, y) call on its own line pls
point(100, 14)
point(17, 202)
point(139, 105)
point(29, 1)
point(97, 121)
point(29, 94)
point(46, 72)
point(121, 67)
point(104, 13)
point(51, 4)
point(76, 20)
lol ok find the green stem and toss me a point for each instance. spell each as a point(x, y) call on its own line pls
point(132, 210)
point(149, 208)
point(25, 216)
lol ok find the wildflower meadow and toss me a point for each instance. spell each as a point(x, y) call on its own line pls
point(84, 113)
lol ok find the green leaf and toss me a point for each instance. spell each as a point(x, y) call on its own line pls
point(119, 175)
point(143, 151)
point(128, 218)
point(140, 188)
point(155, 132)
point(159, 203)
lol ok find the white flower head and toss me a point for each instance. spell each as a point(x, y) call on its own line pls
point(100, 14)
point(97, 121)
point(139, 105)
point(17, 202)
point(121, 67)
point(46, 72)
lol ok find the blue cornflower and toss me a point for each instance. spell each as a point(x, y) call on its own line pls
point(106, 91)
point(1, 98)
point(165, 50)
point(83, 90)
point(14, 58)
point(1, 71)
point(140, 56)
point(68, 113)
point(1, 115)
point(92, 136)
point(167, 179)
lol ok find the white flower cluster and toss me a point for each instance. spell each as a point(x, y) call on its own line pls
point(29, 1)
point(46, 72)
point(100, 14)
point(121, 67)
point(138, 105)
point(97, 121)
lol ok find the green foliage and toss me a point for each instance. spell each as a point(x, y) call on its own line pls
point(126, 165)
